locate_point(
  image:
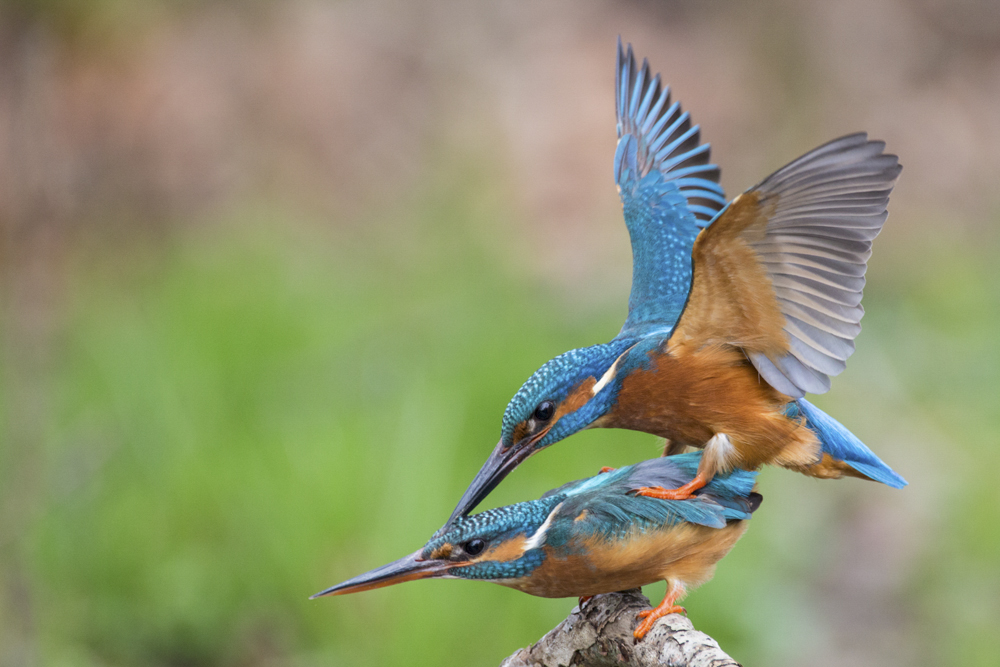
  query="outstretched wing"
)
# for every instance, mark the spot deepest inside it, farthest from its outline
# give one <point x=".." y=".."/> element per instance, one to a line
<point x="669" y="191"/>
<point x="781" y="271"/>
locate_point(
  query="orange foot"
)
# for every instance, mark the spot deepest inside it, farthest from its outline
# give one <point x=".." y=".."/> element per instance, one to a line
<point x="604" y="470"/>
<point x="681" y="493"/>
<point x="651" y="616"/>
<point x="584" y="600"/>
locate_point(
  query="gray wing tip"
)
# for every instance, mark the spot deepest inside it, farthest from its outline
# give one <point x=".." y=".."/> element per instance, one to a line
<point x="851" y="148"/>
<point x="852" y="160"/>
<point x="829" y="204"/>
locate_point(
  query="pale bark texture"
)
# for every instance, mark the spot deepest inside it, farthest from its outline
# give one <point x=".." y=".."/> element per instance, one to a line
<point x="601" y="634"/>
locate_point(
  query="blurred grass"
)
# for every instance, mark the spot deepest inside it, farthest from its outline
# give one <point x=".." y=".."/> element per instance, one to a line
<point x="223" y="416"/>
<point x="262" y="407"/>
<point x="106" y="24"/>
<point x="239" y="411"/>
<point x="266" y="404"/>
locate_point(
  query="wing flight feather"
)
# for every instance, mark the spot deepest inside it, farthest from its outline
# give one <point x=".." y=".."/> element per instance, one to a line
<point x="669" y="190"/>
<point x="780" y="272"/>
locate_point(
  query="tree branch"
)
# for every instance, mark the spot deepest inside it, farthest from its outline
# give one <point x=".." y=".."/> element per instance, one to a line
<point x="601" y="634"/>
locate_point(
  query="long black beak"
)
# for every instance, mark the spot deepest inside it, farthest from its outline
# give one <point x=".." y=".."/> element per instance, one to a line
<point x="498" y="466"/>
<point x="409" y="568"/>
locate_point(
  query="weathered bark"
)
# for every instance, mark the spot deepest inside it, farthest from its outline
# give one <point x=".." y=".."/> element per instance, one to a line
<point x="601" y="634"/>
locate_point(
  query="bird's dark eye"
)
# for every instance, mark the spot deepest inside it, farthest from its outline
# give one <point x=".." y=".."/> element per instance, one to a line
<point x="545" y="410"/>
<point x="474" y="547"/>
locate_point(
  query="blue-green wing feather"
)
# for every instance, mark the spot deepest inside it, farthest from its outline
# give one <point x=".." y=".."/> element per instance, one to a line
<point x="612" y="510"/>
<point x="669" y="191"/>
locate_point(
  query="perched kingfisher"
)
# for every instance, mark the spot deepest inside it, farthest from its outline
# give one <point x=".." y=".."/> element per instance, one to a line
<point x="589" y="537"/>
<point x="737" y="309"/>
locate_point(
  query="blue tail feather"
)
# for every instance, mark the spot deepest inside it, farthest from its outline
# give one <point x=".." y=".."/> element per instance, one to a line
<point x="843" y="445"/>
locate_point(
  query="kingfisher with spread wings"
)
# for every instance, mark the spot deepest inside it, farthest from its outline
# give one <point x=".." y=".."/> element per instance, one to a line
<point x="737" y="310"/>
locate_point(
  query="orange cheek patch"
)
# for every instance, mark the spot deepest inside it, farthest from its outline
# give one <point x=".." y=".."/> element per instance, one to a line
<point x="507" y="551"/>
<point x="577" y="398"/>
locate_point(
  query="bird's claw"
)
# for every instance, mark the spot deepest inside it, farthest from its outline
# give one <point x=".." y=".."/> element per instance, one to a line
<point x="605" y="469"/>
<point x="651" y="616"/>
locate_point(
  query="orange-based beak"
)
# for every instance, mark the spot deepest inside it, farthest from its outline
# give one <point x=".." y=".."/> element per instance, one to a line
<point x="409" y="568"/>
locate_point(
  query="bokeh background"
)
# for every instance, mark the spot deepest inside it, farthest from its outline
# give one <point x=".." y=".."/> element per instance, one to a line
<point x="271" y="270"/>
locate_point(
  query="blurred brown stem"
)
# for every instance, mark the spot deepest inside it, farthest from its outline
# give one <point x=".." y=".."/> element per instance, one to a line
<point x="601" y="634"/>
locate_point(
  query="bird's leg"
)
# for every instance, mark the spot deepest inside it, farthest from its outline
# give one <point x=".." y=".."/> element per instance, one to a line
<point x="675" y="591"/>
<point x="716" y="457"/>
<point x="680" y="493"/>
<point x="584" y="599"/>
<point x="672" y="447"/>
<point x="604" y="469"/>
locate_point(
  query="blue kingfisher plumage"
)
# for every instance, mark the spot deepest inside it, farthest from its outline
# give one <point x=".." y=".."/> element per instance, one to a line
<point x="590" y="537"/>
<point x="737" y="308"/>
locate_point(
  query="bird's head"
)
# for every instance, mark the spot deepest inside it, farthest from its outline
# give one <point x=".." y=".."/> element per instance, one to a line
<point x="498" y="545"/>
<point x="567" y="394"/>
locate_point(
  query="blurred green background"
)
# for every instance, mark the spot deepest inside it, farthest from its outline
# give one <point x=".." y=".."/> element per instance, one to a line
<point x="271" y="271"/>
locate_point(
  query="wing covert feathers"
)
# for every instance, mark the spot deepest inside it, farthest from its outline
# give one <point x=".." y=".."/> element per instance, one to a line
<point x="781" y="271"/>
<point x="612" y="509"/>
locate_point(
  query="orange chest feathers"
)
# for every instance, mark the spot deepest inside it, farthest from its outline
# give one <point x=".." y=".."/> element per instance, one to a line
<point x="592" y="565"/>
<point x="691" y="397"/>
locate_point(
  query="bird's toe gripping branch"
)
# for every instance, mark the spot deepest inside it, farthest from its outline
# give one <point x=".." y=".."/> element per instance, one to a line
<point x="651" y="616"/>
<point x="675" y="591"/>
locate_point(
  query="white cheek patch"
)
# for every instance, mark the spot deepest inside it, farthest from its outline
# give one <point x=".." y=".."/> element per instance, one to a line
<point x="538" y="539"/>
<point x="609" y="374"/>
<point x="605" y="379"/>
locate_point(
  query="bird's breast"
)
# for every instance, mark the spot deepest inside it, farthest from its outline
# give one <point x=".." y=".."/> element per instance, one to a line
<point x="592" y="564"/>
<point x="689" y="398"/>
